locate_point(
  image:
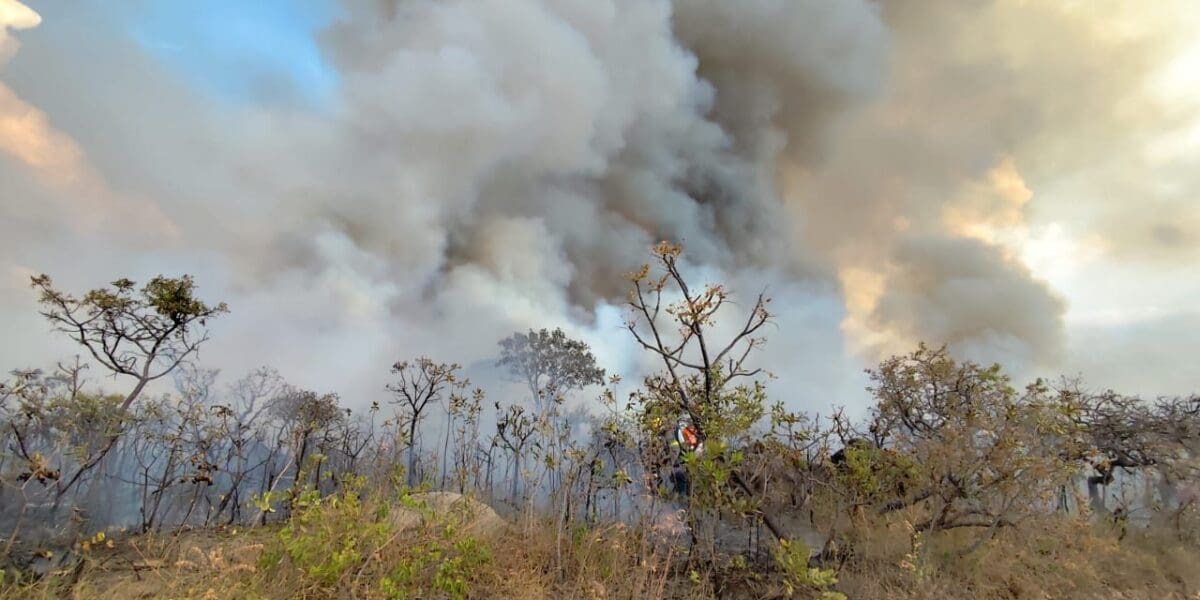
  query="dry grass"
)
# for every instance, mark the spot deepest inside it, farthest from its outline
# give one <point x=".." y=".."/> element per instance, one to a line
<point x="1055" y="558"/>
<point x="447" y="552"/>
<point x="1052" y="558"/>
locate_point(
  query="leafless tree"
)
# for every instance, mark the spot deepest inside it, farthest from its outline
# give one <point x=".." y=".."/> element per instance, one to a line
<point x="698" y="369"/>
<point x="307" y="416"/>
<point x="1126" y="433"/>
<point x="418" y="383"/>
<point x="688" y="350"/>
<point x="514" y="429"/>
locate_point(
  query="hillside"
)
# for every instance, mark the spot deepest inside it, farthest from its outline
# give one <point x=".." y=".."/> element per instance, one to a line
<point x="956" y="484"/>
<point x="438" y="546"/>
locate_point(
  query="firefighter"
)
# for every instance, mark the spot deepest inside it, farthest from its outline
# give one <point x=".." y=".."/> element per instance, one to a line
<point x="686" y="440"/>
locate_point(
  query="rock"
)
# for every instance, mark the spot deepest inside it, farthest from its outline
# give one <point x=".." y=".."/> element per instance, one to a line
<point x="467" y="513"/>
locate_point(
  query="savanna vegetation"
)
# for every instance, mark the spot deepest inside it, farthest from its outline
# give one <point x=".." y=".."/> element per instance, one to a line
<point x="697" y="484"/>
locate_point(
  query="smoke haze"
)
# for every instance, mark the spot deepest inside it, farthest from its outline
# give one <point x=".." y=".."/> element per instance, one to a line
<point x="1012" y="178"/>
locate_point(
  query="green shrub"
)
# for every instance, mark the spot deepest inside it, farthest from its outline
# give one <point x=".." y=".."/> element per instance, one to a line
<point x="792" y="559"/>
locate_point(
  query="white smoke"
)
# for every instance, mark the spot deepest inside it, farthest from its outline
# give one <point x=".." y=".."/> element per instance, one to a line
<point x="486" y="166"/>
<point x="508" y="162"/>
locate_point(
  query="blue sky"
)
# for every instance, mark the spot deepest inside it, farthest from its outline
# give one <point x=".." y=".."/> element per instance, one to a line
<point x="258" y="51"/>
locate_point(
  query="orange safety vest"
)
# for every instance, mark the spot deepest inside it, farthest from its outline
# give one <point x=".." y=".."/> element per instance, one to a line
<point x="686" y="436"/>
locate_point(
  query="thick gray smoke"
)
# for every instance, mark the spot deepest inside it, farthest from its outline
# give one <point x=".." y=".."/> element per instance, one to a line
<point x="1003" y="125"/>
<point x="486" y="166"/>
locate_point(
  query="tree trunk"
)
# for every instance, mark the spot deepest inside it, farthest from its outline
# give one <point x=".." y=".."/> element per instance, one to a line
<point x="412" y="453"/>
<point x="516" y="476"/>
<point x="1096" y="495"/>
<point x="445" y="448"/>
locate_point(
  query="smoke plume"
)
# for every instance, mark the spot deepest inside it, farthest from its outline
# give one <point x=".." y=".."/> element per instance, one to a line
<point x="485" y="166"/>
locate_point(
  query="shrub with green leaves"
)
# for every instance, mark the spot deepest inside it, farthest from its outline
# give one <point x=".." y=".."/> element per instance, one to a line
<point x="351" y="541"/>
<point x="791" y="557"/>
<point x="326" y="537"/>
